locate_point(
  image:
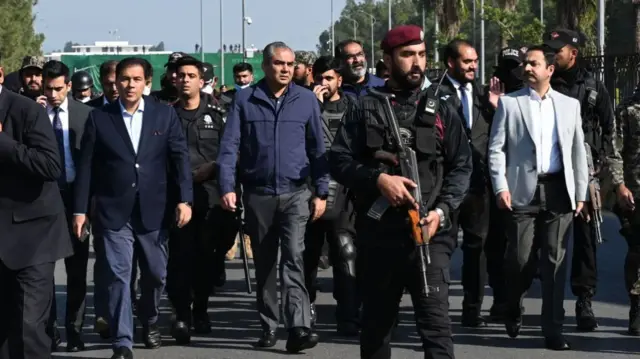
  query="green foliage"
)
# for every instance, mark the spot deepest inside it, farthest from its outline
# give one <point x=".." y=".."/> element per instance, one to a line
<point x="515" y="26"/>
<point x="17" y="35"/>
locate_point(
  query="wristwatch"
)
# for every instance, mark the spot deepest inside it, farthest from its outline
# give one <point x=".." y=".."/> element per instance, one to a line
<point x="441" y="214"/>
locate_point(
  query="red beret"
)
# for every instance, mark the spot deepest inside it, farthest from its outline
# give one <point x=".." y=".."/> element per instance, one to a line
<point x="402" y="35"/>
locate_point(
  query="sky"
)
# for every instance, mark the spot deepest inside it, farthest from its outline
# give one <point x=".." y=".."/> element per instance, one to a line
<point x="147" y="22"/>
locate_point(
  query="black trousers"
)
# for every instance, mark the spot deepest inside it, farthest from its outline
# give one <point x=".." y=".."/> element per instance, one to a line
<point x="196" y="253"/>
<point x="384" y="274"/>
<point x="24" y="311"/>
<point x="495" y="249"/>
<point x="339" y="235"/>
<point x="76" y="270"/>
<point x="584" y="269"/>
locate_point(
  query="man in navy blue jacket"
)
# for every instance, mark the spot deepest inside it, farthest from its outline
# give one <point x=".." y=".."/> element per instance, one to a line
<point x="355" y="78"/>
<point x="127" y="151"/>
<point x="275" y="128"/>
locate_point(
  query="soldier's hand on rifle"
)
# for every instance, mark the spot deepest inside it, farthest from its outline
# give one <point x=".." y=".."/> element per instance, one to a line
<point x="229" y="201"/>
<point x="394" y="189"/>
<point x="432" y="221"/>
<point x="583" y="211"/>
<point x="625" y="198"/>
<point x="318" y="206"/>
<point x="504" y="200"/>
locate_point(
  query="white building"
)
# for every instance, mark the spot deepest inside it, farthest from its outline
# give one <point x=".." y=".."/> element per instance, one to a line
<point x="107" y="48"/>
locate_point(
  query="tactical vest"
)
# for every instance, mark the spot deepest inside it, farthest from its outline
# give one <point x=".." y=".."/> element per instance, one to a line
<point x="424" y="135"/>
<point x="336" y="201"/>
<point x="591" y="124"/>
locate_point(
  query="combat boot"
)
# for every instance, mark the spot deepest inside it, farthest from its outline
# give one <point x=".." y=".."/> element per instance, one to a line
<point x="231" y="254"/>
<point x="585" y="318"/>
<point x="634" y="316"/>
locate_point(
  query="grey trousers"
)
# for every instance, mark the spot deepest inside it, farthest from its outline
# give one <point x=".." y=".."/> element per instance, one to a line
<point x="272" y="223"/>
<point x="543" y="225"/>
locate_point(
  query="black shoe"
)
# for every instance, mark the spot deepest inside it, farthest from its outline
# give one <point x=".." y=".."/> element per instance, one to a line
<point x="498" y="313"/>
<point x="74" y="342"/>
<point x="301" y="339"/>
<point x="348" y="329"/>
<point x="201" y="323"/>
<point x="267" y="340"/>
<point x="181" y="333"/>
<point x="324" y="263"/>
<point x="557" y="343"/>
<point x="151" y="336"/>
<point x="102" y="328"/>
<point x="472" y="320"/>
<point x="55" y="339"/>
<point x="634" y="316"/>
<point x="314" y="315"/>
<point x="513" y="327"/>
<point x="122" y="353"/>
<point x="585" y="319"/>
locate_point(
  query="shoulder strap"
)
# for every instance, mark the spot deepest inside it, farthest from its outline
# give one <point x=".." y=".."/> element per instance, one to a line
<point x="591" y="88"/>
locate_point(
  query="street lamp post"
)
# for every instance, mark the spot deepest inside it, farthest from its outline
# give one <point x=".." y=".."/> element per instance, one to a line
<point x="244" y="19"/>
<point x="201" y="31"/>
<point x="390" y="24"/>
<point x="373" y="21"/>
<point x="333" y="32"/>
<point x="355" y="27"/>
<point x="221" y="48"/>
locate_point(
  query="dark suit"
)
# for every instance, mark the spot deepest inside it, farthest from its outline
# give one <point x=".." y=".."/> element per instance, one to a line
<point x="473" y="215"/>
<point x="129" y="189"/>
<point x="76" y="265"/>
<point x="34" y="229"/>
<point x="96" y="102"/>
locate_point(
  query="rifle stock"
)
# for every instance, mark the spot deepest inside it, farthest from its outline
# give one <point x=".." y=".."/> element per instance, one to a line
<point x="595" y="203"/>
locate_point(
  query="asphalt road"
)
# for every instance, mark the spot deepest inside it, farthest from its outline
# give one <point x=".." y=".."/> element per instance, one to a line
<point x="236" y="325"/>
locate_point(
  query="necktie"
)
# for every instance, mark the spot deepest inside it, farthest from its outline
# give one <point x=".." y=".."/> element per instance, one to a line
<point x="57" y="129"/>
<point x="465" y="105"/>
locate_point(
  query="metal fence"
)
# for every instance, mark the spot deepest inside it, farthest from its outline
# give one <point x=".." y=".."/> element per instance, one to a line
<point x="620" y="73"/>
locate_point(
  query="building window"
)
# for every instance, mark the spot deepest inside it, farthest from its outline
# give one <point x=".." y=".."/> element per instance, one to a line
<point x="135" y="49"/>
<point x="105" y="49"/>
<point x="112" y="49"/>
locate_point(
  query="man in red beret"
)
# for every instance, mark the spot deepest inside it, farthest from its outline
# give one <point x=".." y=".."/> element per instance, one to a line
<point x="361" y="158"/>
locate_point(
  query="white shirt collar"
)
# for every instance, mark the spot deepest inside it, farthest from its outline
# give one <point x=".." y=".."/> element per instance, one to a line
<point x="140" y="107"/>
<point x="64" y="107"/>
<point x="536" y="97"/>
<point x="104" y="100"/>
<point x="457" y="84"/>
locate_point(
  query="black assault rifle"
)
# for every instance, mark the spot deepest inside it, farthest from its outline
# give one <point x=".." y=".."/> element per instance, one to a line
<point x="595" y="205"/>
<point x="405" y="157"/>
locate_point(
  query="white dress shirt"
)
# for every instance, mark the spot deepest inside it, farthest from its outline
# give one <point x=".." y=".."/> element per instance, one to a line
<point x="133" y="122"/>
<point x="104" y="100"/>
<point x="69" y="166"/>
<point x="543" y="114"/>
<point x="468" y="111"/>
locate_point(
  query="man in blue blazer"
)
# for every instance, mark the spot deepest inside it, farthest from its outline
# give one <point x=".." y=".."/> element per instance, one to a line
<point x="130" y="149"/>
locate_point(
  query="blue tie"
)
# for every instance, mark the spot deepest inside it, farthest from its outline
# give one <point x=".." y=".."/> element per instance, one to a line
<point x="465" y="105"/>
<point x="57" y="129"/>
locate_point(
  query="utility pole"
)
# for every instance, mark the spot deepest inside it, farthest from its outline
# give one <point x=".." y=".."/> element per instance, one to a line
<point x="244" y="54"/>
<point x="601" y="18"/>
<point x="482" y="42"/>
<point x="201" y="32"/>
<point x="390" y="23"/>
<point x="333" y="33"/>
<point x="542" y="11"/>
<point x="221" y="47"/>
<point x="373" y="21"/>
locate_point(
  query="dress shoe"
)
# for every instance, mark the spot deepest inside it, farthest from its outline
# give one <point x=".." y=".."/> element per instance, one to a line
<point x="74" y="342"/>
<point x="151" y="336"/>
<point x="301" y="339"/>
<point x="55" y="339"/>
<point x="585" y="318"/>
<point x="314" y="315"/>
<point x="513" y="327"/>
<point x="201" y="323"/>
<point x="473" y="321"/>
<point x="267" y="340"/>
<point x="348" y="329"/>
<point x="102" y="328"/>
<point x="181" y="333"/>
<point x="122" y="353"/>
<point x="497" y="313"/>
<point x="557" y="343"/>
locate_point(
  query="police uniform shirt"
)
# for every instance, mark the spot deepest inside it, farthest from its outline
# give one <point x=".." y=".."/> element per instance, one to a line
<point x="64" y="119"/>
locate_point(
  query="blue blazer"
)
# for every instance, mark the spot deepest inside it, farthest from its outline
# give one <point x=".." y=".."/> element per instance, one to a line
<point x="116" y="177"/>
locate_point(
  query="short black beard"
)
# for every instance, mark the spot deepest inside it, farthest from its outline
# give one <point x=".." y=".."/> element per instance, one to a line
<point x="401" y="78"/>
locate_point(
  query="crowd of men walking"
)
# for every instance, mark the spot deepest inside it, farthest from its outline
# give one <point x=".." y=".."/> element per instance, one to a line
<point x="319" y="159"/>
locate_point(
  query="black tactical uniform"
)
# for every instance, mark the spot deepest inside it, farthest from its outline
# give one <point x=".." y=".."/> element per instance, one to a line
<point x="197" y="250"/>
<point x="336" y="225"/>
<point x="167" y="95"/>
<point x="387" y="261"/>
<point x="598" y="124"/>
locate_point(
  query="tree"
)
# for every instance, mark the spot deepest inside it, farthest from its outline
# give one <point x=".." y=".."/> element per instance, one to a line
<point x="517" y="25"/>
<point x="159" y="47"/>
<point x="68" y="46"/>
<point x="17" y="34"/>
